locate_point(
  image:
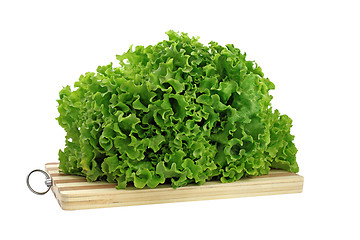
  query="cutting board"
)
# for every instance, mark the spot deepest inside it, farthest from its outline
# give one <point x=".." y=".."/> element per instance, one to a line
<point x="74" y="192"/>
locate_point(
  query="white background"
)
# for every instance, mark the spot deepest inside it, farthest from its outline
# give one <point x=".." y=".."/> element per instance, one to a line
<point x="309" y="49"/>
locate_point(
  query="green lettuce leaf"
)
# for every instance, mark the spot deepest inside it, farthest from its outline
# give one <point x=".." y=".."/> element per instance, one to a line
<point x="179" y="112"/>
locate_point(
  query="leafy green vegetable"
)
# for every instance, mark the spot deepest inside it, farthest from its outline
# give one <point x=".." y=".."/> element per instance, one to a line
<point x="178" y="111"/>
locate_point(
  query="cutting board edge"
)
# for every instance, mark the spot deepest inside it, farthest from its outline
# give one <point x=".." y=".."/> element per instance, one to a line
<point x="293" y="184"/>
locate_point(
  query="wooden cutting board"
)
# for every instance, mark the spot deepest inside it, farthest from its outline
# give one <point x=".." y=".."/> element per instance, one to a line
<point x="74" y="192"/>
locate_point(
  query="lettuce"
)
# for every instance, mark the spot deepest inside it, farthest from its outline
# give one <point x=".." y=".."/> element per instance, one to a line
<point x="177" y="112"/>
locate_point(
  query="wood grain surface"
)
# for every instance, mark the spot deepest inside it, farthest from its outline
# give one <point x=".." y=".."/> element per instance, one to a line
<point x="74" y="192"/>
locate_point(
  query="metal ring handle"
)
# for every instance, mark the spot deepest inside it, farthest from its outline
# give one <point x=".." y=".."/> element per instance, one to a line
<point x="48" y="181"/>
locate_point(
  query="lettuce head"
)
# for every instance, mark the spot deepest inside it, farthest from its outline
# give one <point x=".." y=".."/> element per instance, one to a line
<point x="177" y="112"/>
